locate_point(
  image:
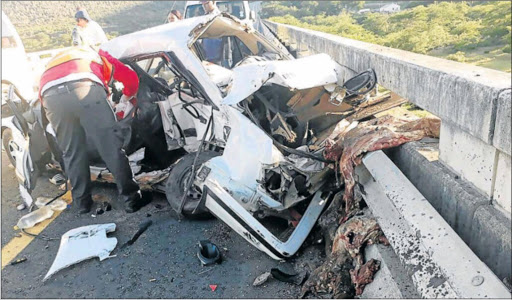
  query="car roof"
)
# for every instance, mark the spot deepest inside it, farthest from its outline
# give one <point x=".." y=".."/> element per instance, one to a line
<point x="166" y="37"/>
<point x="192" y="3"/>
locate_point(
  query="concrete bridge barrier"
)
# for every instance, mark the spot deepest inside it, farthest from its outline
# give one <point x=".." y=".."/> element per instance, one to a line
<point x="470" y="184"/>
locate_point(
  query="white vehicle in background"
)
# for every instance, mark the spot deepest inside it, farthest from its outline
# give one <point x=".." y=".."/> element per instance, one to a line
<point x="17" y="77"/>
<point x="16" y="69"/>
<point x="239" y="9"/>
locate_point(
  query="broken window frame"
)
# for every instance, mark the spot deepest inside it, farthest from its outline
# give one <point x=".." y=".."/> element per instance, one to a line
<point x="261" y="41"/>
<point x="179" y="70"/>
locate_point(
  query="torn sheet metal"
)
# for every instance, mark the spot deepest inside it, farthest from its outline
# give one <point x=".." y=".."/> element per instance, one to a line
<point x="148" y="179"/>
<point x="304" y="73"/>
<point x="83" y="243"/>
<point x="248" y="152"/>
<point x="304" y="164"/>
<point x="27" y="198"/>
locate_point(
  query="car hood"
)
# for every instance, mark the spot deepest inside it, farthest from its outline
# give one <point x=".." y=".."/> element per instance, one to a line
<point x="297" y="74"/>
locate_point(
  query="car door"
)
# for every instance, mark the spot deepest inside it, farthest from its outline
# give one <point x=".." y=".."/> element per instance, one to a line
<point x="27" y="144"/>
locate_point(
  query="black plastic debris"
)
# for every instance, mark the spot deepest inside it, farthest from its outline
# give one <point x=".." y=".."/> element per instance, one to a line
<point x="105" y="206"/>
<point x="297" y="278"/>
<point x="208" y="253"/>
<point x="18" y="261"/>
<point x="99" y="210"/>
<point x="143" y="227"/>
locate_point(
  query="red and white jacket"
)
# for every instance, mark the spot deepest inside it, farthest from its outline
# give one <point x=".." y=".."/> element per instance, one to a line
<point x="78" y="63"/>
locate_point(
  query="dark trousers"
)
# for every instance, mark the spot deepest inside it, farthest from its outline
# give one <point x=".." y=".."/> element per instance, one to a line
<point x="80" y="108"/>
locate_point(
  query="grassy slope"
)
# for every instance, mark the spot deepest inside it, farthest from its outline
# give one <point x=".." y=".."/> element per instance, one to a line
<point x="488" y="57"/>
<point x="47" y="24"/>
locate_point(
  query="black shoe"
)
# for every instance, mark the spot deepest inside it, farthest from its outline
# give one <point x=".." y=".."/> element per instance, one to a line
<point x="136" y="202"/>
<point x="85" y="205"/>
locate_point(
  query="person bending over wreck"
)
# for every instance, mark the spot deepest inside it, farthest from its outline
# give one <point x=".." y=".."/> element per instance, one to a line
<point x="73" y="92"/>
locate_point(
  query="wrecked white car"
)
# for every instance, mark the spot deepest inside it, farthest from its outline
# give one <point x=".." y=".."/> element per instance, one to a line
<point x="229" y="124"/>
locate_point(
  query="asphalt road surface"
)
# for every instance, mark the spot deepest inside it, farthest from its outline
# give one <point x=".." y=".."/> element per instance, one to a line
<point x="162" y="263"/>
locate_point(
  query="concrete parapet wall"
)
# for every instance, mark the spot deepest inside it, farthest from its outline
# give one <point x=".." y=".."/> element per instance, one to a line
<point x="503" y="123"/>
<point x="468" y="156"/>
<point x="474" y="103"/>
<point x="502" y="194"/>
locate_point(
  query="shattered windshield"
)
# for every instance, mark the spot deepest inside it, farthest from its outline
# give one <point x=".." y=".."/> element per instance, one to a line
<point x="234" y="8"/>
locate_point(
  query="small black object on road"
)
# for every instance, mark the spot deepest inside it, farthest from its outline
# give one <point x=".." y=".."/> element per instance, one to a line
<point x="208" y="253"/>
<point x="18" y="261"/>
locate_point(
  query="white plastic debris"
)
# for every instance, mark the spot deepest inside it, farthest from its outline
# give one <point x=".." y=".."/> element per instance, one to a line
<point x="25" y="195"/>
<point x="83" y="243"/>
<point x="37" y="216"/>
<point x="137" y="155"/>
<point x="22" y="206"/>
<point x="56" y="205"/>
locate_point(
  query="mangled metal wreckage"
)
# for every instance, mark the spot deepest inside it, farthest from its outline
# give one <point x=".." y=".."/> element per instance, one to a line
<point x="239" y="123"/>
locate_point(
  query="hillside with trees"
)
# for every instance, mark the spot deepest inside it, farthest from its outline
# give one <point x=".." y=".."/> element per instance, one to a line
<point x="46" y="25"/>
<point x="475" y="32"/>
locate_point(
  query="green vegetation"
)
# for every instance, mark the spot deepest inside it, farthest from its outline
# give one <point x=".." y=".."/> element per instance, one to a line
<point x="454" y="30"/>
<point x="44" y="25"/>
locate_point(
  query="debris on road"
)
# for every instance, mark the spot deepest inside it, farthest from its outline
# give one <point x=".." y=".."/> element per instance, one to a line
<point x="25" y="195"/>
<point x="142" y="228"/>
<point x="344" y="274"/>
<point x="104" y="207"/>
<point x="213" y="287"/>
<point x="55" y="205"/>
<point x="37" y="216"/>
<point x="262" y="279"/>
<point x="18" y="261"/>
<point x="20" y="207"/>
<point x="364" y="275"/>
<point x="58" y="179"/>
<point x="99" y="210"/>
<point x="297" y="278"/>
<point x="152" y="280"/>
<point x="107" y="206"/>
<point x="208" y="253"/>
<point x="83" y="243"/>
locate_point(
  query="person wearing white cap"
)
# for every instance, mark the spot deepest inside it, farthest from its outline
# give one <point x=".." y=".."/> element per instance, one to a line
<point x="87" y="32"/>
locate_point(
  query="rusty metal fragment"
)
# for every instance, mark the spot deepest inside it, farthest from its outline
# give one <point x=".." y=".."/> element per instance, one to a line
<point x="356" y="233"/>
<point x="344" y="275"/>
<point x="364" y="275"/>
<point x="382" y="133"/>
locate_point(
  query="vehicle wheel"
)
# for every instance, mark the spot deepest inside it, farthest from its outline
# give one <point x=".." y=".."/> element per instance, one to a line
<point x="177" y="183"/>
<point x="8" y="144"/>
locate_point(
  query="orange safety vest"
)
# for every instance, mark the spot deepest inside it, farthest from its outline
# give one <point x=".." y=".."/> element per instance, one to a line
<point x="80" y="61"/>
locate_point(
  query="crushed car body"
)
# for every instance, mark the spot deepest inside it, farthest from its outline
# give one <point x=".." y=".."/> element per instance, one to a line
<point x="240" y="124"/>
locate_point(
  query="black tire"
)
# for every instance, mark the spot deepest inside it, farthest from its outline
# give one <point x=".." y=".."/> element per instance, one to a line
<point x="6" y="138"/>
<point x="176" y="185"/>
